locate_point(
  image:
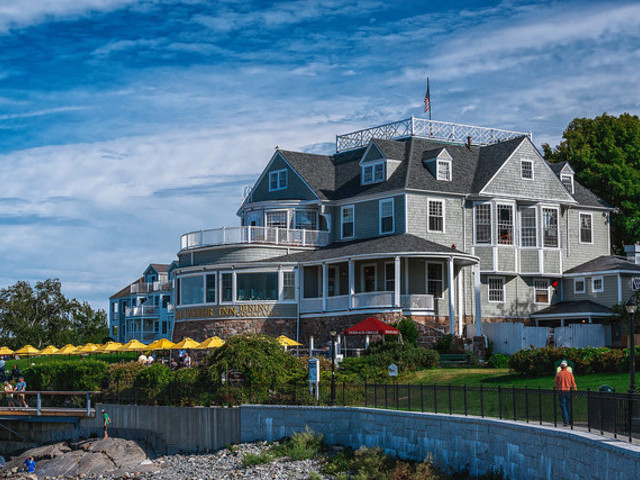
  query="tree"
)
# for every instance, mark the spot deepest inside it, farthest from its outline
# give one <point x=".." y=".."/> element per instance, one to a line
<point x="43" y="316"/>
<point x="605" y="154"/>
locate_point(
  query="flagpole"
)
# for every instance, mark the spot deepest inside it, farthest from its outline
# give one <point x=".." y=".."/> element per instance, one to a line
<point x="429" y="96"/>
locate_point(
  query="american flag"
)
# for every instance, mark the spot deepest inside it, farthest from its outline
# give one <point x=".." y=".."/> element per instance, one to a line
<point x="427" y="98"/>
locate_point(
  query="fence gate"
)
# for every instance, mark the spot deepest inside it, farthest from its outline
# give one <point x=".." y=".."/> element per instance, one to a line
<point x="580" y="335"/>
<point x="509" y="337"/>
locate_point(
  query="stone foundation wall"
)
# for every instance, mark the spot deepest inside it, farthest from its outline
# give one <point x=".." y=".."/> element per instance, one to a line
<point x="199" y="330"/>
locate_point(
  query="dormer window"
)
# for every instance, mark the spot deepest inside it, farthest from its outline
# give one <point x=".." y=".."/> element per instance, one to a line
<point x="278" y="180"/>
<point x="372" y="172"/>
<point x="567" y="181"/>
<point x="444" y="170"/>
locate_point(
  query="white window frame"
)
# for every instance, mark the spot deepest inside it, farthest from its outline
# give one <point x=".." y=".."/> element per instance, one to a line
<point x="277" y="210"/>
<point x="442" y="274"/>
<point x="233" y="288"/>
<point x="443" y="206"/>
<point x="372" y="166"/>
<point x="386" y="280"/>
<point x="438" y="177"/>
<point x="281" y="298"/>
<point x="215" y="275"/>
<point x="570" y="177"/>
<point x="305" y="210"/>
<point x="279" y="174"/>
<point x="475" y="224"/>
<point x="593" y="284"/>
<point x="513" y="224"/>
<point x="353" y="221"/>
<point x="635" y="283"/>
<point x="393" y="216"/>
<point x="584" y="285"/>
<point x="375" y="277"/>
<point x="501" y="279"/>
<point x="557" y="209"/>
<point x="580" y="215"/>
<point x="548" y="291"/>
<point x="202" y="275"/>
<point x="522" y="162"/>
<point x="535" y="215"/>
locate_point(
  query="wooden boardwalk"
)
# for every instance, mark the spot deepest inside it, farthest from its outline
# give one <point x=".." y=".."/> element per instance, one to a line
<point x="46" y="412"/>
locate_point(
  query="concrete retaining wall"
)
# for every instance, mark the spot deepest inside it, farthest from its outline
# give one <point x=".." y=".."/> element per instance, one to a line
<point x="522" y="450"/>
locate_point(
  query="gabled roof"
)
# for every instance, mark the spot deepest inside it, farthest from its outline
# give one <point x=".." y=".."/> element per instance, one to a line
<point x="126" y="291"/>
<point x="159" y="267"/>
<point x="405" y="243"/>
<point x="317" y="170"/>
<point x="586" y="307"/>
<point x="605" y="263"/>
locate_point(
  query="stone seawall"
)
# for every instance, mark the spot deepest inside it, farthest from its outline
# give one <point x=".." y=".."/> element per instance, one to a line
<point x="523" y="451"/>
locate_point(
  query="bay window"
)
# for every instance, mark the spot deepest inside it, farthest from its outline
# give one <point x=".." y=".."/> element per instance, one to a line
<point x="528" y="234"/>
<point x="550" y="227"/>
<point x="257" y="286"/>
<point x="483" y="223"/>
<point x="505" y="224"/>
<point x="192" y="290"/>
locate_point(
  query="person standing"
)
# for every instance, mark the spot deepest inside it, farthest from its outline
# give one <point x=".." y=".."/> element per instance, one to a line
<point x="15" y="373"/>
<point x="30" y="465"/>
<point x="21" y="387"/>
<point x="8" y="393"/>
<point x="105" y="422"/>
<point x="564" y="383"/>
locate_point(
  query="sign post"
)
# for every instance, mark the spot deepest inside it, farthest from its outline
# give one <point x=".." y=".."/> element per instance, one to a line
<point x="314" y="377"/>
<point x="393" y="370"/>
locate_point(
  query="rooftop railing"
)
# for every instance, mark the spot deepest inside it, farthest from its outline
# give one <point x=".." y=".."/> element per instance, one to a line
<point x="431" y="129"/>
<point x="254" y="235"/>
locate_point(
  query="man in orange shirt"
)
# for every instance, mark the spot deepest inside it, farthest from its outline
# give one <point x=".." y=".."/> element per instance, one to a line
<point x="564" y="383"/>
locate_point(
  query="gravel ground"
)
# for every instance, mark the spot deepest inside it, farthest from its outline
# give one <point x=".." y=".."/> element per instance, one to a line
<point x="220" y="465"/>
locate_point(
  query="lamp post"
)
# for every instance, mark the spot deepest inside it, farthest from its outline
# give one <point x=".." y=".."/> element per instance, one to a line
<point x="631" y="306"/>
<point x="333" y="368"/>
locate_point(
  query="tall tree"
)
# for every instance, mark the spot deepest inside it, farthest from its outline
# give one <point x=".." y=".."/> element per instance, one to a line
<point x="605" y="153"/>
<point x="42" y="315"/>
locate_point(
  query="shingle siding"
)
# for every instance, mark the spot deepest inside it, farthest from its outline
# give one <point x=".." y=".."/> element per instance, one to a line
<point x="231" y="255"/>
<point x="296" y="188"/>
<point x="607" y="298"/>
<point x="577" y="253"/>
<point x="519" y="298"/>
<point x="417" y="219"/>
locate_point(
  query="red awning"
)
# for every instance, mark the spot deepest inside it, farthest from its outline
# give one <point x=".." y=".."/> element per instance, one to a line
<point x="372" y="326"/>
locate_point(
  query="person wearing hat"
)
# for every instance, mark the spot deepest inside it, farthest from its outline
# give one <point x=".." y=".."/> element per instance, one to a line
<point x="106" y="422"/>
<point x="564" y="383"/>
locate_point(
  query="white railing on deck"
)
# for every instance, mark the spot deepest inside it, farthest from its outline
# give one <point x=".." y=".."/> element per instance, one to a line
<point x="308" y="305"/>
<point x="417" y="302"/>
<point x="141" y="311"/>
<point x="367" y="300"/>
<point x="150" y="287"/>
<point x="373" y="299"/>
<point x="251" y="234"/>
<point x="340" y="302"/>
<point x="431" y="129"/>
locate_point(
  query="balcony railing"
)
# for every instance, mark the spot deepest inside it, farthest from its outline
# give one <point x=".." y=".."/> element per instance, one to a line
<point x="141" y="311"/>
<point x="257" y="235"/>
<point x="422" y="303"/>
<point x="431" y="129"/>
<point x="150" y="287"/>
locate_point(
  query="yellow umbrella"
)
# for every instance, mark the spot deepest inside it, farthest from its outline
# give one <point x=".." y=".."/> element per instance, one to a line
<point x="287" y="342"/>
<point x="68" y="349"/>
<point x="185" y="344"/>
<point x="28" y="350"/>
<point x="213" y="342"/>
<point x="6" y="351"/>
<point x="133" y="346"/>
<point x="50" y="350"/>
<point x="161" y="344"/>
<point x="88" y="348"/>
<point x="109" y="347"/>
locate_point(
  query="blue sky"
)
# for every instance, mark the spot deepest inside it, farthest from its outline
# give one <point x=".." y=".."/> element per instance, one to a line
<point x="125" y="123"/>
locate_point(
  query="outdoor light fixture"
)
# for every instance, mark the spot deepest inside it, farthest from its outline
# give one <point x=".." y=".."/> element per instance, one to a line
<point x="333" y="334"/>
<point x="631" y="306"/>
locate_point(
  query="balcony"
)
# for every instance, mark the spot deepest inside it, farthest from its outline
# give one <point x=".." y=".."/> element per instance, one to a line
<point x="383" y="300"/>
<point x="142" y="311"/>
<point x="150" y="287"/>
<point x="254" y="235"/>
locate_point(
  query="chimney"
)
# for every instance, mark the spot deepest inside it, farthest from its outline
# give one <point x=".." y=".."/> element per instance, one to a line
<point x="469" y="141"/>
<point x="633" y="253"/>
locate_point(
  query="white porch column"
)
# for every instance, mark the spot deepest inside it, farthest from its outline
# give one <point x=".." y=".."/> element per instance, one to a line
<point x="478" y="292"/>
<point x="397" y="280"/>
<point x="452" y="306"/>
<point x="325" y="286"/>
<point x="300" y="278"/>
<point x="352" y="284"/>
<point x="459" y="291"/>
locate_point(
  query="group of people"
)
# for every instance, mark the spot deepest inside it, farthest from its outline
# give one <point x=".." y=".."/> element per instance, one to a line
<point x="10" y="390"/>
<point x="183" y="360"/>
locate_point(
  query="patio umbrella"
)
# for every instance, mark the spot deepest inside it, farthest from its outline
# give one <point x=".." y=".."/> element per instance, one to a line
<point x="185" y="344"/>
<point x="109" y="347"/>
<point x="88" y="348"/>
<point x="212" y="342"/>
<point x="50" y="350"/>
<point x="287" y="342"/>
<point x="68" y="349"/>
<point x="28" y="350"/>
<point x="161" y="344"/>
<point x="6" y="351"/>
<point x="133" y="346"/>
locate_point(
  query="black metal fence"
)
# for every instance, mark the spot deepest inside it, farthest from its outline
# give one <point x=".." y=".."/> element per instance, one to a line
<point x="611" y="413"/>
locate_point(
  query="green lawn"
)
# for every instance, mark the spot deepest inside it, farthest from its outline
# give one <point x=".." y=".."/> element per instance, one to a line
<point x="494" y="377"/>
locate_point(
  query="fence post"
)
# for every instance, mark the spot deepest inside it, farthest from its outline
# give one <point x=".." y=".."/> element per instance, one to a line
<point x="555" y="408"/>
<point x="386" y="401"/>
<point x="450" y="409"/>
<point x="464" y="389"/>
<point x="88" y="404"/>
<point x="343" y="401"/>
<point x="38" y="404"/>
<point x="408" y="397"/>
<point x="588" y="415"/>
<point x="397" y="396"/>
<point x="421" y="397"/>
<point x="600" y="403"/>
<point x="499" y="402"/>
<point x="540" y="405"/>
<point x="615" y="418"/>
<point x="526" y="403"/>
<point x="630" y="416"/>
<point x="481" y="401"/>
<point x="513" y="397"/>
<point x="375" y="395"/>
<point x="365" y="395"/>
<point x="435" y="399"/>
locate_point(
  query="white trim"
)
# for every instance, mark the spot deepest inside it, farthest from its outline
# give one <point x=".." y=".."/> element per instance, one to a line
<point x="392" y="263"/>
<point x="372" y="165"/>
<point x="584" y="285"/>
<point x="522" y="161"/>
<point x="444" y="207"/>
<point x="504" y="295"/>
<point x="593" y="289"/>
<point x="278" y="173"/>
<point x="501" y="167"/>
<point x="590" y="215"/>
<point x="233" y="287"/>
<point x="375" y="277"/>
<point x="353" y="214"/>
<point x="202" y="275"/>
<point x="475" y="224"/>
<point x="570" y="315"/>
<point x="512" y="206"/>
<point x="570" y="177"/>
<point x="535" y="217"/>
<point x="426" y="279"/>
<point x="603" y="272"/>
<point x="393" y="216"/>
<point x="438" y="170"/>
<point x="548" y="292"/>
<point x="559" y="233"/>
<point x="372" y="143"/>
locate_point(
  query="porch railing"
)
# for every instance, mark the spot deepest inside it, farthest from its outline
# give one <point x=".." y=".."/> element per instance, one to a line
<point x="367" y="300"/>
<point x="251" y="234"/>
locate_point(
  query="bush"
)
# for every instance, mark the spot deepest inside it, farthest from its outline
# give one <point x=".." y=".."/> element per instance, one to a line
<point x="65" y="375"/>
<point x="301" y="446"/>
<point x="443" y="344"/>
<point x="251" y="459"/>
<point x="408" y="330"/>
<point x="152" y="382"/>
<point x="499" y="360"/>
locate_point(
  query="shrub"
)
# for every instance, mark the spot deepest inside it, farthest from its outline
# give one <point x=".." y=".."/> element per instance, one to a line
<point x="301" y="446"/>
<point x="371" y="464"/>
<point x="251" y="459"/>
<point x="444" y="344"/>
<point x="499" y="360"/>
<point x="408" y="330"/>
<point x="65" y="375"/>
<point x="152" y="382"/>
